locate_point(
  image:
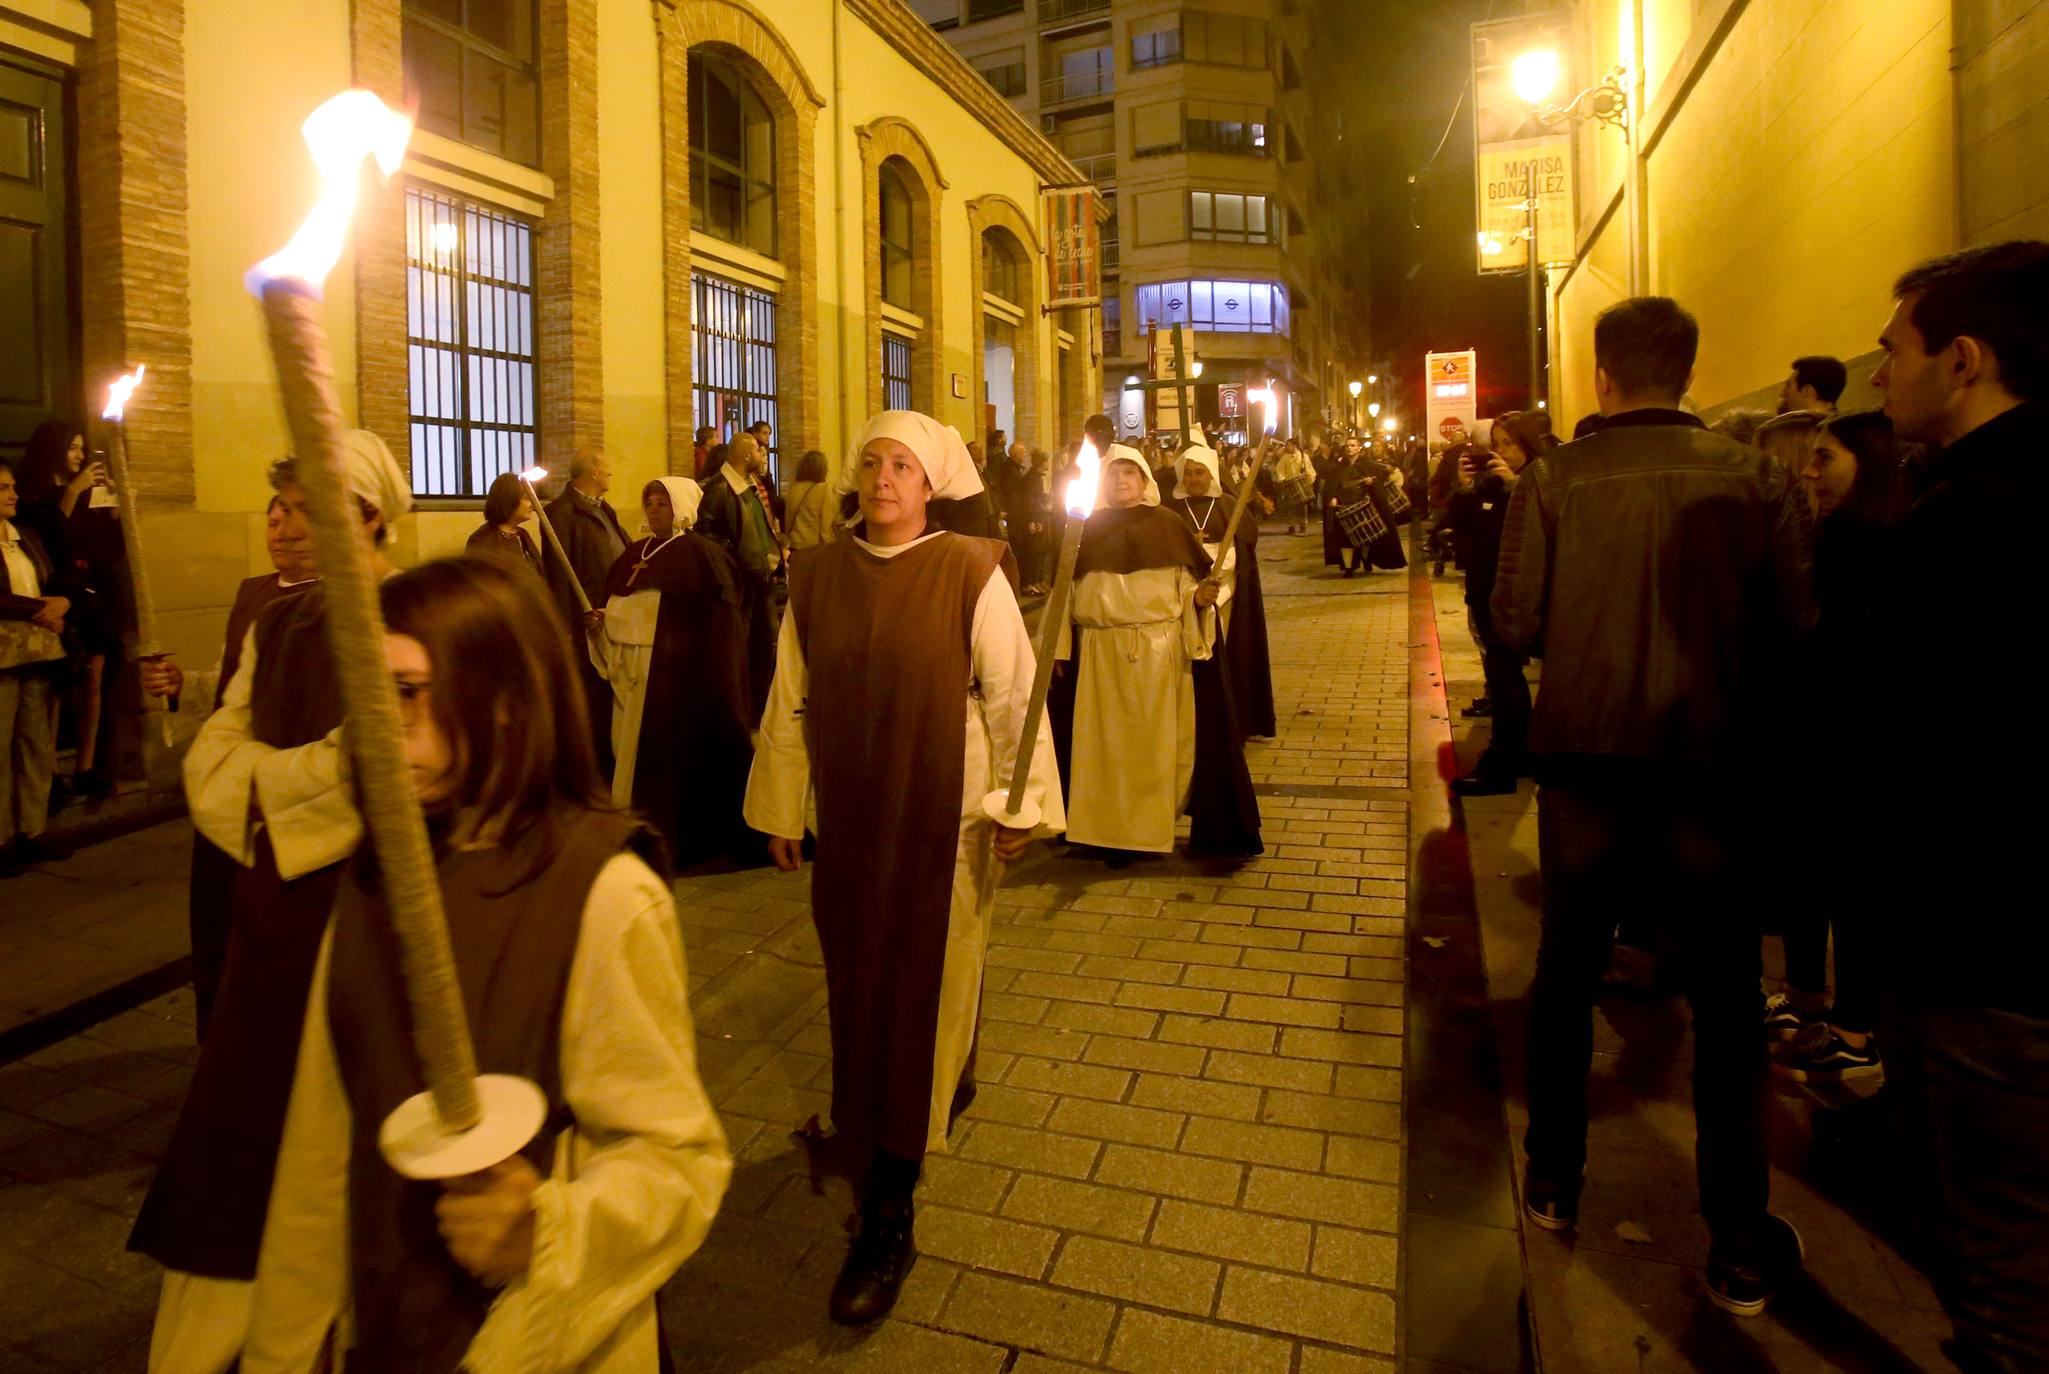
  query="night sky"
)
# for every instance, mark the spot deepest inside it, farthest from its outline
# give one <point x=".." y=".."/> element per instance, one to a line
<point x="1391" y="71"/>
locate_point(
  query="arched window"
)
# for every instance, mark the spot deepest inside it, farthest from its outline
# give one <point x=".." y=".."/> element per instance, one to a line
<point x="732" y="157"/>
<point x="1002" y="266"/>
<point x="896" y="238"/>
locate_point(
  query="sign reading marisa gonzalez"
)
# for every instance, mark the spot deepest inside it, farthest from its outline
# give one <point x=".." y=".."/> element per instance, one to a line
<point x="1074" y="257"/>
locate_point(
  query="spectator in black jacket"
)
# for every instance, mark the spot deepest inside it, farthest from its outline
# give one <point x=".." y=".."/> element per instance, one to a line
<point x="1662" y="573"/>
<point x="593" y="538"/>
<point x="1515" y="440"/>
<point x="1963" y="1011"/>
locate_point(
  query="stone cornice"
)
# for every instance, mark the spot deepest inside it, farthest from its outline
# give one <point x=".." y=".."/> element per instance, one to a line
<point x="903" y="30"/>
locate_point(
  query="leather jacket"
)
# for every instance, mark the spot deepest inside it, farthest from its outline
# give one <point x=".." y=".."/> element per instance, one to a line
<point x="1664" y="574"/>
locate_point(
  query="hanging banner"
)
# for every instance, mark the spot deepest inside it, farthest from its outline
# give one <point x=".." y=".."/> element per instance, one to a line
<point x="1505" y="172"/>
<point x="1510" y="140"/>
<point x="1451" y="394"/>
<point x="1074" y="249"/>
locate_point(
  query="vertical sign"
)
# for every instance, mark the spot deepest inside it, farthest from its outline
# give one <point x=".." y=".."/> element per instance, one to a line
<point x="1513" y="149"/>
<point x="1231" y="400"/>
<point x="1451" y="391"/>
<point x="1074" y="256"/>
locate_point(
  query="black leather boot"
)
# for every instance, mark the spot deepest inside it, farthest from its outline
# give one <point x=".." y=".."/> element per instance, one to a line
<point x="877" y="1263"/>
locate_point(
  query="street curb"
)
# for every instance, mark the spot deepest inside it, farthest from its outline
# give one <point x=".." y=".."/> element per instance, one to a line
<point x="82" y="1015"/>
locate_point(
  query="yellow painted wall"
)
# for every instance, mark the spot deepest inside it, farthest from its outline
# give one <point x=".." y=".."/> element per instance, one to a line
<point x="630" y="216"/>
<point x="1809" y="165"/>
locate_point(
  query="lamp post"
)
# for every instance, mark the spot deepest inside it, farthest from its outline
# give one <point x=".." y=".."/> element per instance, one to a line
<point x="1355" y="388"/>
<point x="1537" y="74"/>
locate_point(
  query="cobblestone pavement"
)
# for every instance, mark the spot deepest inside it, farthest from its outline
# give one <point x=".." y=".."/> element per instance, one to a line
<point x="1186" y="1149"/>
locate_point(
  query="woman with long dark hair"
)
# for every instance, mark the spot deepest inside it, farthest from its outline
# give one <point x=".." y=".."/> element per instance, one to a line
<point x="571" y="965"/>
<point x="65" y="499"/>
<point x="1851" y="477"/>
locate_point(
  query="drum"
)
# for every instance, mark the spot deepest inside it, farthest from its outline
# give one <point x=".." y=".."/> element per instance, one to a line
<point x="1360" y="523"/>
<point x="1298" y="491"/>
<point x="1395" y="499"/>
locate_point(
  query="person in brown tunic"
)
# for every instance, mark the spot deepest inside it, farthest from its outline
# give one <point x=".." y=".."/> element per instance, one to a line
<point x="288" y="540"/>
<point x="266" y="784"/>
<point x="902" y="682"/>
<point x="571" y="968"/>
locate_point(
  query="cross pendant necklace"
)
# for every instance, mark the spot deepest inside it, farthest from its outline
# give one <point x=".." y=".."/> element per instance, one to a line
<point x="648" y="550"/>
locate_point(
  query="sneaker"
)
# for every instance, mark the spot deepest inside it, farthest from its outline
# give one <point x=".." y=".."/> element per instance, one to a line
<point x="1785" y="1021"/>
<point x="1553" y="1206"/>
<point x="1819" y="1054"/>
<point x="1744" y="1283"/>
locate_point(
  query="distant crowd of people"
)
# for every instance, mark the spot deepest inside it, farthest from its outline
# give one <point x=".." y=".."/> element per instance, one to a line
<point x="1766" y="648"/>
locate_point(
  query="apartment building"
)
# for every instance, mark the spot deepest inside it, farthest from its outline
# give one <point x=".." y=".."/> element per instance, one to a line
<point x="1193" y="119"/>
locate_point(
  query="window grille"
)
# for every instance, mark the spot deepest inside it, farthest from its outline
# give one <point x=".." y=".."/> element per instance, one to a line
<point x="733" y="358"/>
<point x="469" y="343"/>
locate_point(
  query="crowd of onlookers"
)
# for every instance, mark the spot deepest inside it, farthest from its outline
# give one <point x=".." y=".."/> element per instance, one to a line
<point x="1768" y="643"/>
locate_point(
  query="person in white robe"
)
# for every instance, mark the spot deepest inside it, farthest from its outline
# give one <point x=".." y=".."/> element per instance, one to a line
<point x="902" y="681"/>
<point x="1145" y="612"/>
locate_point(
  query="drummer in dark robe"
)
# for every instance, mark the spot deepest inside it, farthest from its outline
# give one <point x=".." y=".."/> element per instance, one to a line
<point x="1199" y="497"/>
<point x="902" y="680"/>
<point x="1151" y="737"/>
<point x="672" y="642"/>
<point x="288" y="539"/>
<point x="266" y="782"/>
<point x="1384" y="487"/>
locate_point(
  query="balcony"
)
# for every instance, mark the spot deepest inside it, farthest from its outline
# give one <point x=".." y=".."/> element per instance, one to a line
<point x="1100" y="168"/>
<point x="1111" y="255"/>
<point x="1072" y="11"/>
<point x="1069" y="87"/>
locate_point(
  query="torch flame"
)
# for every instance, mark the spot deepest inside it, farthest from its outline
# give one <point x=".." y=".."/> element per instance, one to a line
<point x="1264" y="396"/>
<point x="1081" y="489"/>
<point x="118" y="393"/>
<point x="341" y="133"/>
<point x="533" y="475"/>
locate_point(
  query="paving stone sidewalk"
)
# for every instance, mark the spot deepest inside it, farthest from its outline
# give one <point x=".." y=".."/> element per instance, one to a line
<point x="1186" y="1150"/>
<point x="1185" y="1154"/>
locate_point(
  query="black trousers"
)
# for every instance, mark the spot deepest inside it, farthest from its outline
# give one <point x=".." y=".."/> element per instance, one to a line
<point x="1618" y="846"/>
<point x="1509" y="691"/>
<point x="1968" y="1089"/>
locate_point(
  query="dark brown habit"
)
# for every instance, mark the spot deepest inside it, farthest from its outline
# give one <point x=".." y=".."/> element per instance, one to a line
<point x="213" y="872"/>
<point x="514" y="914"/>
<point x="690" y="774"/>
<point x="888" y="644"/>
<point x="204" y="1213"/>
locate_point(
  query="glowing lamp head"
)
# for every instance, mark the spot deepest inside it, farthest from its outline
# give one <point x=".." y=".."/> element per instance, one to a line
<point x="1388" y="424"/>
<point x="1373" y="409"/>
<point x="341" y="133"/>
<point x="1373" y="379"/>
<point x="533" y="475"/>
<point x="118" y="393"/>
<point x="1356" y="388"/>
<point x="1195" y="369"/>
<point x="1080" y="496"/>
<point x="1536" y="75"/>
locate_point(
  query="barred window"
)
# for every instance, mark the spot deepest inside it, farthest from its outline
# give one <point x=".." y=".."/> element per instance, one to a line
<point x="732" y="357"/>
<point x="896" y="372"/>
<point x="469" y="343"/>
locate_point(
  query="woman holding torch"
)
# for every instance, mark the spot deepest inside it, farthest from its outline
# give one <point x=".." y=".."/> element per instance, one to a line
<point x="571" y="969"/>
<point x="902" y="683"/>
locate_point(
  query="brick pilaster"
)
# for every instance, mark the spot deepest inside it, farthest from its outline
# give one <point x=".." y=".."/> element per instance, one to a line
<point x="379" y="239"/>
<point x="134" y="256"/>
<point x="569" y="295"/>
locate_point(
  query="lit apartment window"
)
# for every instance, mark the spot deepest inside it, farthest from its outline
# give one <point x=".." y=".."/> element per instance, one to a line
<point x="1219" y="307"/>
<point x="1215" y="126"/>
<point x="1004" y="70"/>
<point x="732" y="157"/>
<point x="1218" y="217"/>
<point x="471" y="75"/>
<point x="469" y="343"/>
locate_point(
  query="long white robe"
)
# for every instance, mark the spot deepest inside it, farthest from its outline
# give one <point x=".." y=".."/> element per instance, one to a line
<point x="1134" y="706"/>
<point x="779" y="801"/>
<point x="623" y="653"/>
<point x="632" y="1193"/>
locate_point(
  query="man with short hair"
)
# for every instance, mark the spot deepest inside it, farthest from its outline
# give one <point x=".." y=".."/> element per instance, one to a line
<point x="1662" y="571"/>
<point x="1963" y="1014"/>
<point x="734" y="514"/>
<point x="593" y="539"/>
<point x="1815" y="383"/>
<point x="700" y="450"/>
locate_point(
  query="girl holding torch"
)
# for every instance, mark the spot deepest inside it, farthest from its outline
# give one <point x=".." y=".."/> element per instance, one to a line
<point x="571" y="968"/>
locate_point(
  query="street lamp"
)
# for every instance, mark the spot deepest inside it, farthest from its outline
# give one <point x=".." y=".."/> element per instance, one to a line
<point x="1373" y="410"/>
<point x="1389" y="425"/>
<point x="1355" y="388"/>
<point x="1537" y="74"/>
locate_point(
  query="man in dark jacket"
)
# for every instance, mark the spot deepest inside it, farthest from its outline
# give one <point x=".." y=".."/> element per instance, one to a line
<point x="1963" y="1014"/>
<point x="593" y="538"/>
<point x="1662" y="572"/>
